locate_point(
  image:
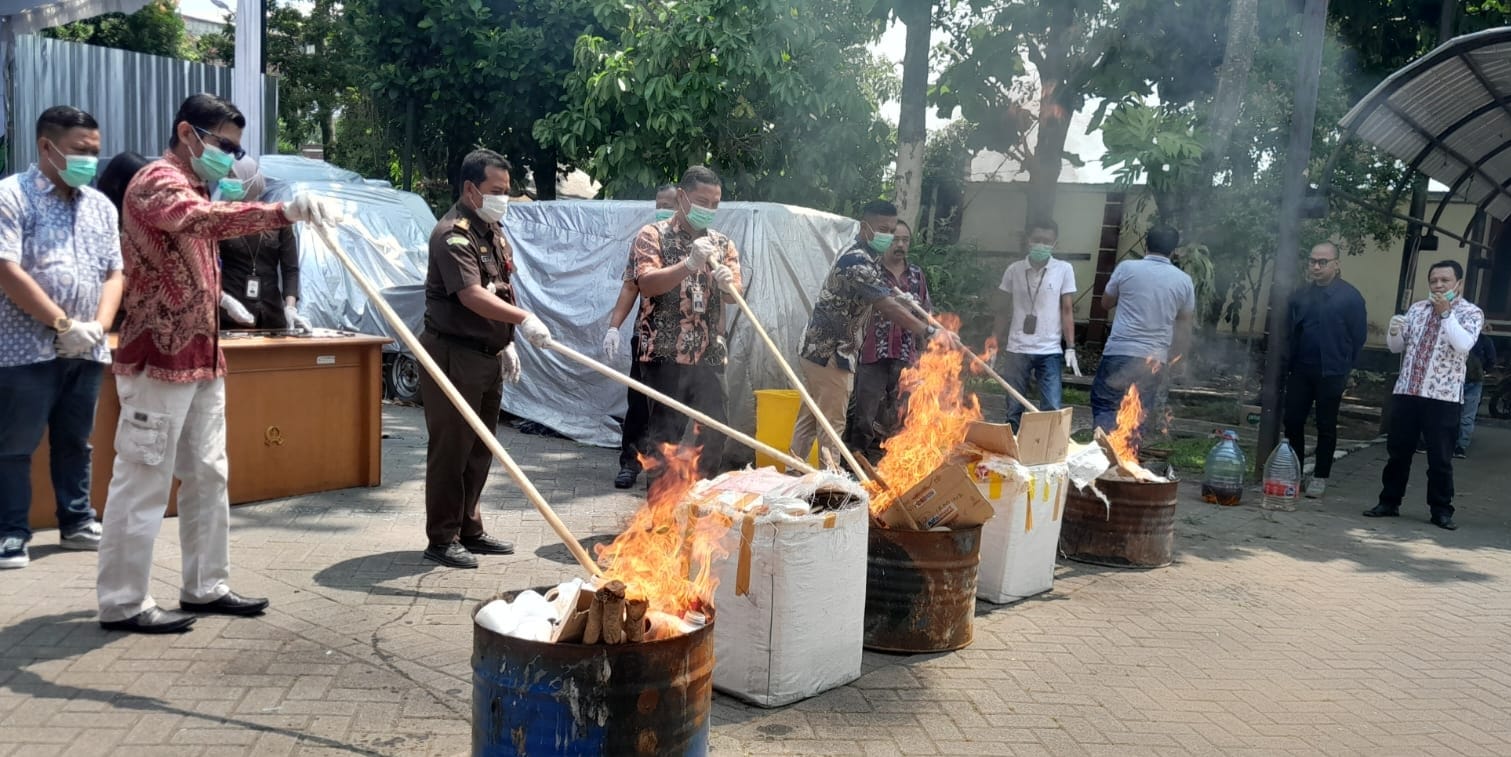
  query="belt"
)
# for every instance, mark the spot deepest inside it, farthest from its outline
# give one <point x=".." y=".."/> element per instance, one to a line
<point x="475" y="345"/>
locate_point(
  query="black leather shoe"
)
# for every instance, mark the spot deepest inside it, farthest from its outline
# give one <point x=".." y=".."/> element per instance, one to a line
<point x="1383" y="511"/>
<point x="487" y="545"/>
<point x="230" y="604"/>
<point x="152" y="620"/>
<point x="452" y="555"/>
<point x="626" y="478"/>
<point x="1444" y="522"/>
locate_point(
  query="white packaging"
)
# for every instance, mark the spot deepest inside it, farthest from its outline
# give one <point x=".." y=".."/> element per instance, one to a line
<point x="791" y="601"/>
<point x="1019" y="545"/>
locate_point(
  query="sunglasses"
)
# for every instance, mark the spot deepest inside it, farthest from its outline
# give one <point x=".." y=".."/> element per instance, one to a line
<point x="226" y="145"/>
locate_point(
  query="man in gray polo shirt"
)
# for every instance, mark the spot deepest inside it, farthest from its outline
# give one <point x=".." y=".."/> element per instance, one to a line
<point x="1155" y="302"/>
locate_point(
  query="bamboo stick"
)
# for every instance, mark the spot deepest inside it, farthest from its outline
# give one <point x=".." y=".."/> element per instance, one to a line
<point x="486" y="434"/>
<point x="696" y="415"/>
<point x="802" y="391"/>
<point x="982" y="364"/>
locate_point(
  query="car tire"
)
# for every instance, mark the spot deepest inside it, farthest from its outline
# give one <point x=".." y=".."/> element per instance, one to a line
<point x="401" y="378"/>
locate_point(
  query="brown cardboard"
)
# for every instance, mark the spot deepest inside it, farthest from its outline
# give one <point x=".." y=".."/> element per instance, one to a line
<point x="1044" y="437"/>
<point x="947" y="497"/>
<point x="996" y="438"/>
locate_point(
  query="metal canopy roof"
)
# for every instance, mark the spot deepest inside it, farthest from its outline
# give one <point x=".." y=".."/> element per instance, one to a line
<point x="1448" y="116"/>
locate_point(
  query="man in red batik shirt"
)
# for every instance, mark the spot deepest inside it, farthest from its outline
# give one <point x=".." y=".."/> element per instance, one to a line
<point x="170" y="373"/>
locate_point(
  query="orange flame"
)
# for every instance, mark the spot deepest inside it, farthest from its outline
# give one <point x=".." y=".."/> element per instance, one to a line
<point x="938" y="415"/>
<point x="986" y="355"/>
<point x="1125" y="438"/>
<point x="666" y="554"/>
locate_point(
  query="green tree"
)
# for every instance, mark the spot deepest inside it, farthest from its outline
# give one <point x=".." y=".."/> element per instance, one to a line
<point x="309" y="53"/>
<point x="780" y="96"/>
<point x="474" y="72"/>
<point x="156" y="29"/>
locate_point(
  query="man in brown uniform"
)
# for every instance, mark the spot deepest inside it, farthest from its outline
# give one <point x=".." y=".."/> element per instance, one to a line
<point x="470" y="319"/>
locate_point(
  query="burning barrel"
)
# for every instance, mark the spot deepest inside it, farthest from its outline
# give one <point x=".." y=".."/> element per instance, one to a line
<point x="636" y="698"/>
<point x="1135" y="528"/>
<point x="921" y="588"/>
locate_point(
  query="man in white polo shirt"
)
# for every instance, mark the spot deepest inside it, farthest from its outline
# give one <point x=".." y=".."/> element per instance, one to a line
<point x="1036" y="325"/>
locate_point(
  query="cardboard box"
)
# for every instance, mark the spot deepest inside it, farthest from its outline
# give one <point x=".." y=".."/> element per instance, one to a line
<point x="1019" y="546"/>
<point x="947" y="497"/>
<point x="791" y="600"/>
<point x="1043" y="438"/>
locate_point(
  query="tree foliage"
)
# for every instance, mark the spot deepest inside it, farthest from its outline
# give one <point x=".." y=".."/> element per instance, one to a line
<point x="779" y="96"/>
<point x="476" y="72"/>
<point x="156" y="29"/>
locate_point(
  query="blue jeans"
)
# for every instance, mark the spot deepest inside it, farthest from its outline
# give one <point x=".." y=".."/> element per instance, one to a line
<point x="1042" y="370"/>
<point x="57" y="396"/>
<point x="1472" y="394"/>
<point x="1115" y="374"/>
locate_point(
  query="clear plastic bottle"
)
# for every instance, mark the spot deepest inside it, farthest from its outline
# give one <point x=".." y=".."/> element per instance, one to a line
<point x="1222" y="476"/>
<point x="1282" y="479"/>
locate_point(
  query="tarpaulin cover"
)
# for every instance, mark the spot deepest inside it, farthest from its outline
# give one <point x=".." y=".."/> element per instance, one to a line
<point x="387" y="235"/>
<point x="571" y="256"/>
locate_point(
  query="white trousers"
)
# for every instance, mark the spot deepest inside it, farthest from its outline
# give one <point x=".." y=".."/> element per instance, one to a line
<point x="166" y="431"/>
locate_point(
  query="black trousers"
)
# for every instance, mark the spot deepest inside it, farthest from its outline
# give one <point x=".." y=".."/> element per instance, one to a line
<point x="698" y="386"/>
<point x="874" y="403"/>
<point x="637" y="411"/>
<point x="456" y="460"/>
<point x="1436" y="421"/>
<point x="1302" y="391"/>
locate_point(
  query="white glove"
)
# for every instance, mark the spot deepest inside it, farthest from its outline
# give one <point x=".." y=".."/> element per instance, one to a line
<point x="236" y="310"/>
<point x="535" y="331"/>
<point x="508" y="360"/>
<point x="611" y="343"/>
<point x="725" y="278"/>
<point x="307" y="208"/>
<point x="703" y="250"/>
<point x="80" y="339"/>
<point x="1397" y="322"/>
<point x="294" y="319"/>
<point x="1072" y="361"/>
<point x="909" y="301"/>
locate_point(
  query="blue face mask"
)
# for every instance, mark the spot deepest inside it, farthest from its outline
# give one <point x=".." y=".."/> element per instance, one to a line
<point x="77" y="170"/>
<point x="663" y="214"/>
<point x="881" y="242"/>
<point x="1040" y="254"/>
<point x="213" y="163"/>
<point x="231" y="190"/>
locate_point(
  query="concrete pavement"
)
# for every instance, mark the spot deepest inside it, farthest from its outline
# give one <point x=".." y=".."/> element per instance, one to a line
<point x="1314" y="632"/>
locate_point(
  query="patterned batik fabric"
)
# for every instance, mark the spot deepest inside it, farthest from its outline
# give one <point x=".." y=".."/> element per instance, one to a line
<point x="671" y="326"/>
<point x="1431" y="367"/>
<point x="68" y="246"/>
<point x="854" y="284"/>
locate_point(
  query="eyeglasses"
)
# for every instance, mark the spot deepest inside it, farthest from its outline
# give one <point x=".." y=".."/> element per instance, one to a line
<point x="226" y="145"/>
<point x="1318" y="262"/>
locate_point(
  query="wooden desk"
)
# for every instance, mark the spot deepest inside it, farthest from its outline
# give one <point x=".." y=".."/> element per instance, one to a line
<point x="302" y="415"/>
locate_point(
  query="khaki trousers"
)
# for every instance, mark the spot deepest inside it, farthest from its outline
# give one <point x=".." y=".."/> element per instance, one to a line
<point x="830" y="388"/>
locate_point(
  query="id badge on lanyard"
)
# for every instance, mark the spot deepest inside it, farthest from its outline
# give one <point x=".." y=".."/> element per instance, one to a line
<point x="253" y="287"/>
<point x="700" y="302"/>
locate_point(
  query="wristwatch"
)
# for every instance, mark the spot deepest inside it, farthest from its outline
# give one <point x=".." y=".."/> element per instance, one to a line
<point x="62" y="323"/>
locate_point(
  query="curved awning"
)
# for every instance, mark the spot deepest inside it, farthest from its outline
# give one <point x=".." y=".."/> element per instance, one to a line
<point x="1448" y="116"/>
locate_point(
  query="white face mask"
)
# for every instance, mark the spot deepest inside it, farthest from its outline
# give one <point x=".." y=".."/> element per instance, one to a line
<point x="493" y="208"/>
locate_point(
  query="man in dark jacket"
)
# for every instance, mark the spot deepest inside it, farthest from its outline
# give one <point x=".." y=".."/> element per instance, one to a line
<point x="1481" y="358"/>
<point x="1328" y="328"/>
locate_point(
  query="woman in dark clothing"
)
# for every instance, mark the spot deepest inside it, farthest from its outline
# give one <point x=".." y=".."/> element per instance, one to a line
<point x="117" y="174"/>
<point x="259" y="271"/>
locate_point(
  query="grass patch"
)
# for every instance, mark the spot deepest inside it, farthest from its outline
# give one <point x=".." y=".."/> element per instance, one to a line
<point x="1072" y="395"/>
<point x="1189" y="453"/>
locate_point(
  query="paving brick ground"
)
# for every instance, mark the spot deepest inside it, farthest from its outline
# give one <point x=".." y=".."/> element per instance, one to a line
<point x="1316" y="632"/>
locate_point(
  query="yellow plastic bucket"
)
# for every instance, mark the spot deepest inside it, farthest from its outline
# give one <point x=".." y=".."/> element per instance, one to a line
<point x="776" y="414"/>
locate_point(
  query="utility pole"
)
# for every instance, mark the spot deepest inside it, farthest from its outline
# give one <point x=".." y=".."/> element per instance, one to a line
<point x="1308" y="72"/>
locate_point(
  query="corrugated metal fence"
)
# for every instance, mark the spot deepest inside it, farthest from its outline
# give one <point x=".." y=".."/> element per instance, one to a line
<point x="133" y="96"/>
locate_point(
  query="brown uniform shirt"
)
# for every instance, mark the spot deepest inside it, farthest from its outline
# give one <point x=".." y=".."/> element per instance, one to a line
<point x="464" y="250"/>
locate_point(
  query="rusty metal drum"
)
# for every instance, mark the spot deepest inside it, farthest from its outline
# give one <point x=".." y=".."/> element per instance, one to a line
<point x="921" y="589"/>
<point x="1136" y="531"/>
<point x="535" y="698"/>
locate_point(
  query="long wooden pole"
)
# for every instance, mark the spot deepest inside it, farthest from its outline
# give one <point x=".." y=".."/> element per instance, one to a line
<point x="483" y="432"/>
<point x="982" y="364"/>
<point x="724" y="428"/>
<point x="802" y="391"/>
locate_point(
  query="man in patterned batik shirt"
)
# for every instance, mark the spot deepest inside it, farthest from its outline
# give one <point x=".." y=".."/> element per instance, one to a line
<point x="170" y="373"/>
<point x="60" y="271"/>
<point x="1434" y="338"/>
<point x="684" y="271"/>
<point x="831" y="343"/>
<point x="885" y="350"/>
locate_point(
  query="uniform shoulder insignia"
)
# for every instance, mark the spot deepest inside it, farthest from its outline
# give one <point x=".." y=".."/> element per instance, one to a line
<point x="461" y="223"/>
<point x="459" y="240"/>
